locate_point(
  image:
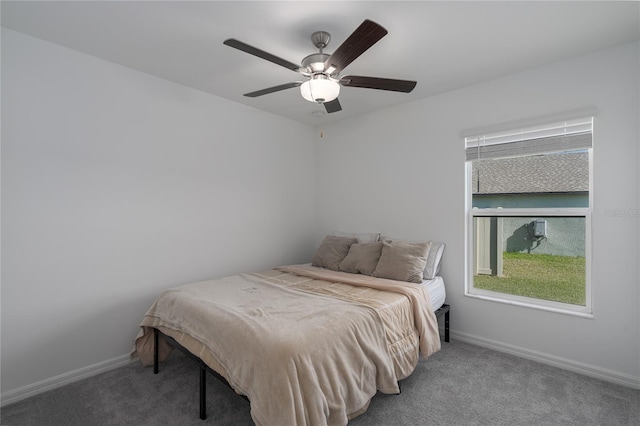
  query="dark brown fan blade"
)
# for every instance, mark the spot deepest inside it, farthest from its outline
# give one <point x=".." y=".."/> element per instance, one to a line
<point x="333" y="106"/>
<point x="365" y="36"/>
<point x="273" y="89"/>
<point x="405" y="86"/>
<point x="232" y="42"/>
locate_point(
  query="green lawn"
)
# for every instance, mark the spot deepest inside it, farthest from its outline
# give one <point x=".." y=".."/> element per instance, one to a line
<point x="541" y="276"/>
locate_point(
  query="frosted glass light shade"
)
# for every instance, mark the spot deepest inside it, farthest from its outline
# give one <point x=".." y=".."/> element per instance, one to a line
<point x="320" y="89"/>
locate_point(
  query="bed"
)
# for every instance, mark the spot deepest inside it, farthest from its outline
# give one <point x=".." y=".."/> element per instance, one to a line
<point x="305" y="344"/>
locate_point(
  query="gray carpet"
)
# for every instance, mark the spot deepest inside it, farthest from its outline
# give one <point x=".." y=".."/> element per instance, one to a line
<point x="461" y="385"/>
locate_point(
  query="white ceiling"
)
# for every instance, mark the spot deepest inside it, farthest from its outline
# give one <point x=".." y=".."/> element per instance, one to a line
<point x="442" y="45"/>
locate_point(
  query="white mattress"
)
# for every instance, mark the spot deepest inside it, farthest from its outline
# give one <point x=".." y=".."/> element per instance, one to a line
<point x="435" y="288"/>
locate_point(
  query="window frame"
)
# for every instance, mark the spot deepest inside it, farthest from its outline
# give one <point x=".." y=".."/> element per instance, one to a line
<point x="585" y="311"/>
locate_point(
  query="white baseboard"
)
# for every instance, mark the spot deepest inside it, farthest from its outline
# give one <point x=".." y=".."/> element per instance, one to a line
<point x="27" y="391"/>
<point x="556" y="361"/>
<point x="19" y="394"/>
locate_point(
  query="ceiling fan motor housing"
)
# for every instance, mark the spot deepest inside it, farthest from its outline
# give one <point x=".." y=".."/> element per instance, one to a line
<point x="314" y="63"/>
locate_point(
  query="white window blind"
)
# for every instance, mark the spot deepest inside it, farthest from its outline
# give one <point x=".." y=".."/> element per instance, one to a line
<point x="560" y="136"/>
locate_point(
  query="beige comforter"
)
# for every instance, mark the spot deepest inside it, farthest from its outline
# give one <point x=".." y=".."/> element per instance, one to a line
<point x="299" y="356"/>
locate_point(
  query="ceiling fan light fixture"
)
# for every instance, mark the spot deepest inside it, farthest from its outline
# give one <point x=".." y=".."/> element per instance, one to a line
<point x="320" y="89"/>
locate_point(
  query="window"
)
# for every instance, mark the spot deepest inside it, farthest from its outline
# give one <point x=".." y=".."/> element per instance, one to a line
<point x="529" y="216"/>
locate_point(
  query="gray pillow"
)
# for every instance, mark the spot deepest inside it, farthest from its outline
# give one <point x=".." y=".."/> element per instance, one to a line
<point x="434" y="257"/>
<point x="402" y="261"/>
<point x="332" y="251"/>
<point x="362" y="258"/>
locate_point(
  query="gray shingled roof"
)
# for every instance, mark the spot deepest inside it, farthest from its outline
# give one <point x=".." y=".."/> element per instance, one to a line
<point x="532" y="174"/>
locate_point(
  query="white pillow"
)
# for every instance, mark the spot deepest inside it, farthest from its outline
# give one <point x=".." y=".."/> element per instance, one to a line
<point x="433" y="260"/>
<point x="363" y="237"/>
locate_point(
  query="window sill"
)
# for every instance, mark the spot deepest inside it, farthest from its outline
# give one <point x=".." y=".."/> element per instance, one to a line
<point x="543" y="305"/>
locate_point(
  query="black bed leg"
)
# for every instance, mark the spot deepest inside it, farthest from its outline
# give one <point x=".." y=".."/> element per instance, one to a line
<point x="155" y="351"/>
<point x="446" y="326"/>
<point x="444" y="310"/>
<point x="203" y="391"/>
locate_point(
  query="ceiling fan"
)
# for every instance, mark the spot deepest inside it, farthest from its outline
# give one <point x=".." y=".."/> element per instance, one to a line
<point x="322" y="70"/>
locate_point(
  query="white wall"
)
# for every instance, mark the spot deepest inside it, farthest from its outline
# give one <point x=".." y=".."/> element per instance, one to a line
<point x="116" y="185"/>
<point x="401" y="172"/>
